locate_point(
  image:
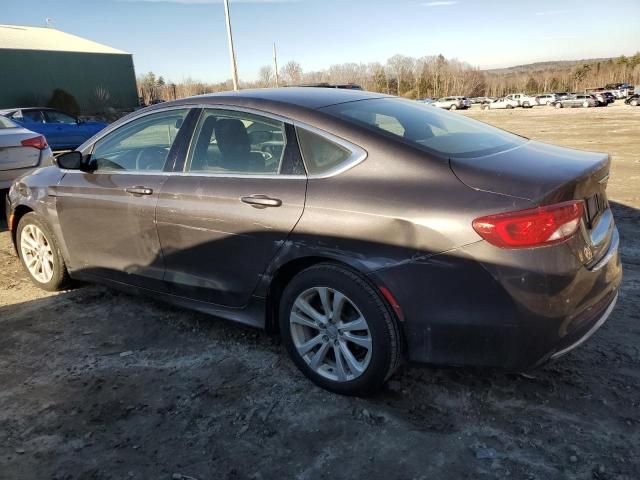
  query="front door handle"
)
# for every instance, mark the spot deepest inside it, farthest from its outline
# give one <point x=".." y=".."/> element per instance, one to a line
<point x="261" y="201"/>
<point x="139" y="190"/>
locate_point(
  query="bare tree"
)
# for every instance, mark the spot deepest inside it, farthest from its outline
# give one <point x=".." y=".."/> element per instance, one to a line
<point x="291" y="73"/>
<point x="265" y="75"/>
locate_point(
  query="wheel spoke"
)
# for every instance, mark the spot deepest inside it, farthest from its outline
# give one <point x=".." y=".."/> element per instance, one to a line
<point x="47" y="269"/>
<point x="32" y="263"/>
<point x="30" y="242"/>
<point x="303" y="305"/>
<point x="319" y="356"/>
<point x="307" y="346"/>
<point x="300" y="320"/>
<point x="338" y="304"/>
<point x="323" y="292"/>
<point x="354" y="365"/>
<point x="340" y="370"/>
<point x="363" y="341"/>
<point x="357" y="324"/>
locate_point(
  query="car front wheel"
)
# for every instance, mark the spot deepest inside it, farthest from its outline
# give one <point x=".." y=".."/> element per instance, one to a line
<point x="339" y="331"/>
<point x="40" y="253"/>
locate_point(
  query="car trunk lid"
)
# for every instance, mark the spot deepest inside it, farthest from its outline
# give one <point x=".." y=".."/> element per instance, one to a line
<point x="13" y="154"/>
<point x="546" y="174"/>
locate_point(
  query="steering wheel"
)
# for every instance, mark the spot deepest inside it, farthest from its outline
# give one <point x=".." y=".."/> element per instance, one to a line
<point x="155" y="158"/>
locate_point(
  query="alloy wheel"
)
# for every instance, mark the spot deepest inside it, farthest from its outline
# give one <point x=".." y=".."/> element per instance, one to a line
<point x="330" y="334"/>
<point x="37" y="253"/>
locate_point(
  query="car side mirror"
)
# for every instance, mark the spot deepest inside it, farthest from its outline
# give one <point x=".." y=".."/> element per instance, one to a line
<point x="70" y="160"/>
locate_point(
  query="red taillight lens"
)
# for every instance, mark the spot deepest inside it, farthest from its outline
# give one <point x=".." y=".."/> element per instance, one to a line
<point x="535" y="227"/>
<point x="38" y="142"/>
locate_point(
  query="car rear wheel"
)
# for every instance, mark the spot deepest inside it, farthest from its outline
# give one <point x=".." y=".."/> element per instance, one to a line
<point x="558" y="105"/>
<point x="338" y="330"/>
<point x="585" y="104"/>
<point x="509" y="107"/>
<point x="453" y="107"/>
<point x="526" y="105"/>
<point x="634" y="103"/>
<point x="485" y="107"/>
<point x="40" y="254"/>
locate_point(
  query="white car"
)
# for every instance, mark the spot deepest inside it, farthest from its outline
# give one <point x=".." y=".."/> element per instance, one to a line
<point x="452" y="103"/>
<point x="523" y="100"/>
<point x="547" y="99"/>
<point x="21" y="151"/>
<point x="500" y="103"/>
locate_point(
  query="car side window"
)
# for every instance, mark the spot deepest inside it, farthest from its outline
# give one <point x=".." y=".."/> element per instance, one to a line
<point x="53" y="116"/>
<point x="140" y="145"/>
<point x="32" y="116"/>
<point x="319" y="153"/>
<point x="241" y="143"/>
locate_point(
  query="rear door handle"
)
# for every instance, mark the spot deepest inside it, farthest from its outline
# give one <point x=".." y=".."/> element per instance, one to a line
<point x="139" y="190"/>
<point x="261" y="201"/>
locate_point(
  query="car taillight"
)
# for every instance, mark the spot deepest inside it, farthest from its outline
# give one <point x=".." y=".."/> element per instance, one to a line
<point x="38" y="142"/>
<point x="535" y="227"/>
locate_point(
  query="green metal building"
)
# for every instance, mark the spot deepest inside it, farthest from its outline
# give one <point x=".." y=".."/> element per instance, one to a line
<point x="35" y="61"/>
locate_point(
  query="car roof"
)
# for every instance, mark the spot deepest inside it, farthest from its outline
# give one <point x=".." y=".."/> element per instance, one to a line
<point x="15" y="109"/>
<point x="305" y="97"/>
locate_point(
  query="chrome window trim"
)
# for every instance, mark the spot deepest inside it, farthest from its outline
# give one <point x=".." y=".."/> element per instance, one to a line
<point x="358" y="154"/>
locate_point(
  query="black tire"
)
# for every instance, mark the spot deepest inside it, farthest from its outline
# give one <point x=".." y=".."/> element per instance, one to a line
<point x="509" y="107"/>
<point x="558" y="105"/>
<point x="453" y="107"/>
<point x="386" y="350"/>
<point x="634" y="103"/>
<point x="60" y="278"/>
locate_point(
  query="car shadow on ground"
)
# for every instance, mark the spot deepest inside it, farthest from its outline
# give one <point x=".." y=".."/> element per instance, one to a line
<point x="98" y="383"/>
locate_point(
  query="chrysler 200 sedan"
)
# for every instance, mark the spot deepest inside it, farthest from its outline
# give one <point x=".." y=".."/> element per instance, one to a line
<point x="365" y="228"/>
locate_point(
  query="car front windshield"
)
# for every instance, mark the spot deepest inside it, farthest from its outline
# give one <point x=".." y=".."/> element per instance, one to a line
<point x="427" y="128"/>
<point x="6" y="123"/>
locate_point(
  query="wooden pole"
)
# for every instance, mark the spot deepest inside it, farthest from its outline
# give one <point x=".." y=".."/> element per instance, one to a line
<point x="232" y="53"/>
<point x="275" y="64"/>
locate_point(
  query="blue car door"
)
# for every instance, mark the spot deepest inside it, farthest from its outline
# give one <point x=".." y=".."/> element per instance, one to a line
<point x="62" y="130"/>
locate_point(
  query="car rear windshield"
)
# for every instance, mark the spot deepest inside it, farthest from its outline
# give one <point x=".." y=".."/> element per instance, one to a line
<point x="428" y="128"/>
<point x="6" y="123"/>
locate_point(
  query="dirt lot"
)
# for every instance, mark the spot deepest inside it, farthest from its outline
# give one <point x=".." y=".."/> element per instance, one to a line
<point x="96" y="384"/>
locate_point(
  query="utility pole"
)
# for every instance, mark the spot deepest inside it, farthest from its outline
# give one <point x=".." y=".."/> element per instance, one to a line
<point x="275" y="63"/>
<point x="232" y="53"/>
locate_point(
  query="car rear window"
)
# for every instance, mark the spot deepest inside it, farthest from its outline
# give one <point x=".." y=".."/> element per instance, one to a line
<point x="6" y="123"/>
<point x="427" y="128"/>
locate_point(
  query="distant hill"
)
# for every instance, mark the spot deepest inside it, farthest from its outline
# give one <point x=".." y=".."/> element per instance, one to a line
<point x="542" y="66"/>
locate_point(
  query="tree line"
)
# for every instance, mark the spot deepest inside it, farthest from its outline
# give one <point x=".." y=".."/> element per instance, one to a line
<point x="431" y="76"/>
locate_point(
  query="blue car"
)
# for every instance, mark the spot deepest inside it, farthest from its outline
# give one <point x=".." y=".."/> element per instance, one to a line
<point x="62" y="131"/>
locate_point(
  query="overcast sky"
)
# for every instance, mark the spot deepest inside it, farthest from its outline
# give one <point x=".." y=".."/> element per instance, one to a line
<point x="187" y="38"/>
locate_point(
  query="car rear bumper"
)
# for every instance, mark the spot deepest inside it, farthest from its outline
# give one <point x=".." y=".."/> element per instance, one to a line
<point x="461" y="311"/>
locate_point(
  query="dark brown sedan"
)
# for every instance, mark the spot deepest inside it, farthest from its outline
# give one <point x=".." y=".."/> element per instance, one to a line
<point x="365" y="228"/>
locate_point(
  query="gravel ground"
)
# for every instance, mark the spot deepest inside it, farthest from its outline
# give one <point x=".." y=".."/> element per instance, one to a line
<point x="97" y="384"/>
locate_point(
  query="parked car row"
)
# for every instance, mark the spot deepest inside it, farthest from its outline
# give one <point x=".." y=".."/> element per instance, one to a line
<point x="596" y="97"/>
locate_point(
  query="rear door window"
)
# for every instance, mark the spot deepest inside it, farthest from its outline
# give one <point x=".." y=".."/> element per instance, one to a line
<point x="238" y="143"/>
